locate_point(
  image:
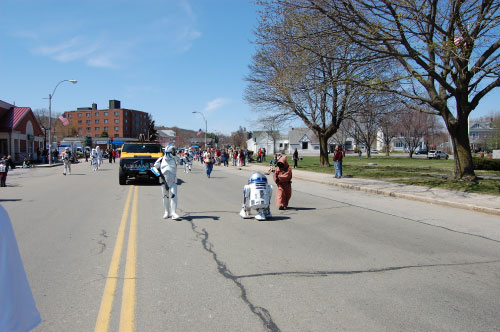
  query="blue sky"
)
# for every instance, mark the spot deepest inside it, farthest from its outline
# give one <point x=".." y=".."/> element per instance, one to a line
<point x="165" y="57"/>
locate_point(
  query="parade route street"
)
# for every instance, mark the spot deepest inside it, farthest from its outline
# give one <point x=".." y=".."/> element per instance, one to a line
<point x="99" y="256"/>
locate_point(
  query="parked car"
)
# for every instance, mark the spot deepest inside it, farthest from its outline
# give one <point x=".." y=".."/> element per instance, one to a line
<point x="422" y="151"/>
<point x="437" y="154"/>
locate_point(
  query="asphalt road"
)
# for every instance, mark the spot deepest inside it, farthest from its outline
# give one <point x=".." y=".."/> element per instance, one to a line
<point x="99" y="256"/>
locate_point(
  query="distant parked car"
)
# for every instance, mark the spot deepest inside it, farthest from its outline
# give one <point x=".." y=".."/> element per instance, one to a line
<point x="422" y="151"/>
<point x="437" y="154"/>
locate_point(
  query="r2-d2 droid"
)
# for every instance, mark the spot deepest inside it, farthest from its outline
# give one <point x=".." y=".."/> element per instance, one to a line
<point x="257" y="195"/>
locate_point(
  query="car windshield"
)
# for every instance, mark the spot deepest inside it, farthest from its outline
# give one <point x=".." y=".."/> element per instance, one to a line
<point x="141" y="148"/>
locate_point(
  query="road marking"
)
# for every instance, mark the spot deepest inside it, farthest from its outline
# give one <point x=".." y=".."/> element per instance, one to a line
<point x="127" y="314"/>
<point x="102" y="323"/>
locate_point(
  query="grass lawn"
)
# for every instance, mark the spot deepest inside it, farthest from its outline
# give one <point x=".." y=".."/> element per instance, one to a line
<point x="401" y="169"/>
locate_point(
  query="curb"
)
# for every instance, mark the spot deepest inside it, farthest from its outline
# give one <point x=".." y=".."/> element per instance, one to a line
<point x="469" y="207"/>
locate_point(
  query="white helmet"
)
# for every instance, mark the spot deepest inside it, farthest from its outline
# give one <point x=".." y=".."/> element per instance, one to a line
<point x="170" y="150"/>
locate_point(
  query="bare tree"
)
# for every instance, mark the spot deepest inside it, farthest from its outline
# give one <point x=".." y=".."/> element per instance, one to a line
<point x="448" y="53"/>
<point x="365" y="125"/>
<point x="412" y="127"/>
<point x="388" y="130"/>
<point x="302" y="74"/>
<point x="239" y="138"/>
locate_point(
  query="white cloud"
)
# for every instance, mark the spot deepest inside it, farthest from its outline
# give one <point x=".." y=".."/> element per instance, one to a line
<point x="215" y="104"/>
<point x="93" y="53"/>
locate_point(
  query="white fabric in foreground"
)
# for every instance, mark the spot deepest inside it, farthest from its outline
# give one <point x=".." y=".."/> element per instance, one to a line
<point x="18" y="312"/>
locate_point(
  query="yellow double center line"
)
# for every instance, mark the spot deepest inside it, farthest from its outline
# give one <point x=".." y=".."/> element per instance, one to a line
<point x="127" y="314"/>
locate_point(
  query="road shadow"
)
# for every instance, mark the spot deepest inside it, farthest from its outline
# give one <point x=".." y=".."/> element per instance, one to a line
<point x="192" y="218"/>
<point x="277" y="218"/>
<point x="11" y="200"/>
<point x="299" y="208"/>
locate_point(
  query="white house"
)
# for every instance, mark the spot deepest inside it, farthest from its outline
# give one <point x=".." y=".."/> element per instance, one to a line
<point x="307" y="143"/>
<point x="265" y="140"/>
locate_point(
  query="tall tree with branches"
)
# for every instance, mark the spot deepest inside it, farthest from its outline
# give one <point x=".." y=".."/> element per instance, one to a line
<point x="299" y="72"/>
<point x="447" y="50"/>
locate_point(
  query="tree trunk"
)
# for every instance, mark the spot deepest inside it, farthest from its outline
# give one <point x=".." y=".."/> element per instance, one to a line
<point x="464" y="167"/>
<point x="323" y="150"/>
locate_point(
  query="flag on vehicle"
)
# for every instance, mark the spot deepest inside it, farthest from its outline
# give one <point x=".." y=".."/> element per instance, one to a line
<point x="64" y="120"/>
<point x="199" y="132"/>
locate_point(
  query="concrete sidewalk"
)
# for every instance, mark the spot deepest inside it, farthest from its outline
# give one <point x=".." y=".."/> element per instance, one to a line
<point x="469" y="201"/>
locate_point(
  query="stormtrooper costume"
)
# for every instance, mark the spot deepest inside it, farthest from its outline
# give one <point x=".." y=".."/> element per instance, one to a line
<point x="257" y="195"/>
<point x="188" y="162"/>
<point x="99" y="156"/>
<point x="67" y="161"/>
<point x="94" y="159"/>
<point x="166" y="168"/>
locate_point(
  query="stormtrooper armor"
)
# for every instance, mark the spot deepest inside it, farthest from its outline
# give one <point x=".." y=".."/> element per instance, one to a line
<point x="94" y="159"/>
<point x="188" y="162"/>
<point x="257" y="195"/>
<point x="166" y="168"/>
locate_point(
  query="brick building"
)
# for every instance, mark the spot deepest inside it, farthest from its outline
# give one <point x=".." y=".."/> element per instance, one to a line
<point x="116" y="121"/>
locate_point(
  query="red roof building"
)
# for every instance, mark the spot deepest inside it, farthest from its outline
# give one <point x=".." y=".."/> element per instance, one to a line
<point x="20" y="133"/>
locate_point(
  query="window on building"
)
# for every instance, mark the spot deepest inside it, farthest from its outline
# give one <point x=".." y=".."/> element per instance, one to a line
<point x="105" y="120"/>
<point x="79" y="115"/>
<point x="96" y="121"/>
<point x="126" y="120"/>
<point x="281" y="145"/>
<point x="117" y="128"/>
<point x="87" y="122"/>
<point x="96" y="113"/>
<point x="70" y="115"/>
<point x="305" y="145"/>
<point x="89" y="129"/>
<point x="79" y="121"/>
<point x="87" y="115"/>
<point x="105" y="128"/>
<point x="126" y="113"/>
<point x="116" y="113"/>
<point x="117" y="121"/>
<point x="97" y="129"/>
<point x="117" y="135"/>
<point x="105" y="113"/>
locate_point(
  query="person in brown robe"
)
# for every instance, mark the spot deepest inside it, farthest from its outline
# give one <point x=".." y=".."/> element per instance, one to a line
<point x="283" y="177"/>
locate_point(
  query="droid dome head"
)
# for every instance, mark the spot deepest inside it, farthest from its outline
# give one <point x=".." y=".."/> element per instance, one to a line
<point x="257" y="178"/>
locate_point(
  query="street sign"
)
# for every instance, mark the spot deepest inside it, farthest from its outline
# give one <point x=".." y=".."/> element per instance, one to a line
<point x="58" y="143"/>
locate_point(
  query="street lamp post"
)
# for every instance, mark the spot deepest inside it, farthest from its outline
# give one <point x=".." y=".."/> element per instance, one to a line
<point x="205" y="127"/>
<point x="50" y="116"/>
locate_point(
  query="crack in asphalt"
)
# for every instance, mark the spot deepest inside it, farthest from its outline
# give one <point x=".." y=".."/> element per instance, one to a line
<point x="380" y="270"/>
<point x="261" y="312"/>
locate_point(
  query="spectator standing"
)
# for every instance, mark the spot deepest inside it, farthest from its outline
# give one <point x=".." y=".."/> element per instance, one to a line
<point x="10" y="163"/>
<point x="259" y="155"/>
<point x="359" y="153"/>
<point x="209" y="162"/>
<point x="283" y="178"/>
<point x="295" y="158"/>
<point x="4" y="169"/>
<point x="114" y="155"/>
<point x="263" y="154"/>
<point x="337" y="162"/>
<point x="235" y="158"/>
<point x="241" y="156"/>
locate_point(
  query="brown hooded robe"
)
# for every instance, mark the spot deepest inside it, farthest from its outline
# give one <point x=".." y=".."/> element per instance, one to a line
<point x="283" y="177"/>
